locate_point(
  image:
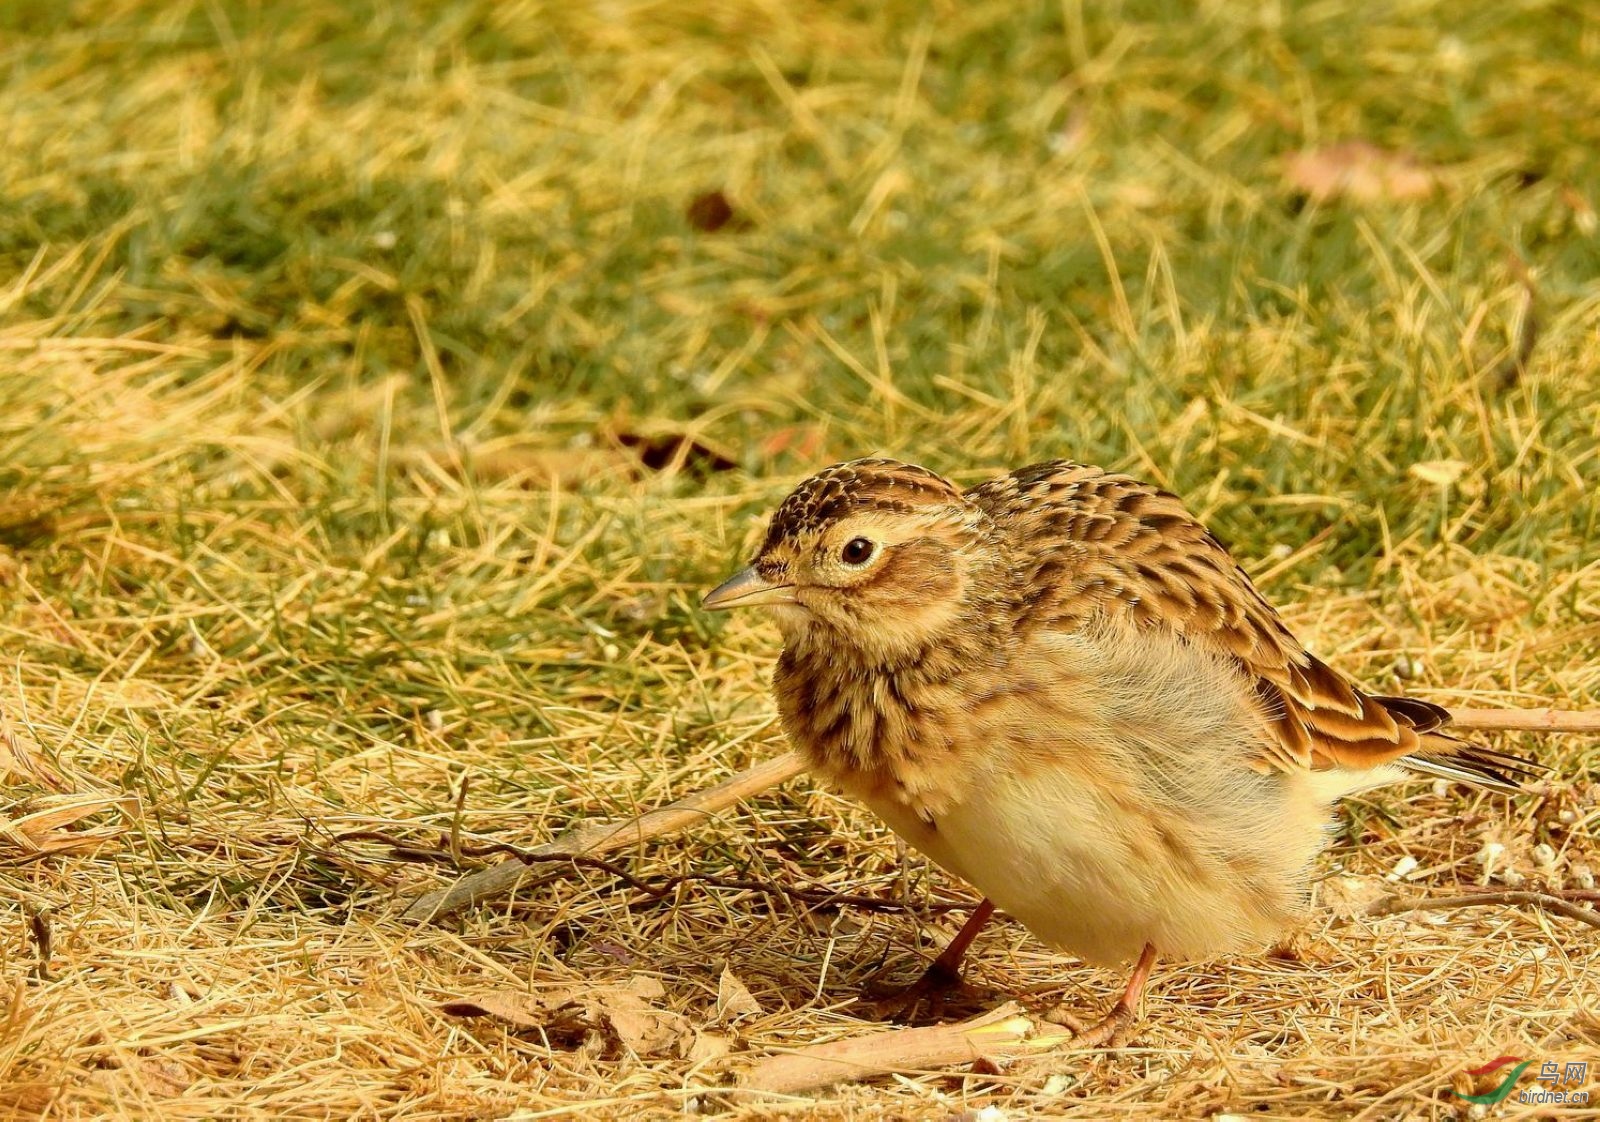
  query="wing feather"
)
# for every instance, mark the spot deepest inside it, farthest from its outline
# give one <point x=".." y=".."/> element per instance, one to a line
<point x="1093" y="544"/>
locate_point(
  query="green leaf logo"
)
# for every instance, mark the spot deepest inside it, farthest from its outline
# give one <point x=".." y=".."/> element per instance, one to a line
<point x="1504" y="1089"/>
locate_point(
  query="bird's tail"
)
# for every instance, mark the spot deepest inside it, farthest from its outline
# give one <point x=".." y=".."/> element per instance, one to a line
<point x="1448" y="757"/>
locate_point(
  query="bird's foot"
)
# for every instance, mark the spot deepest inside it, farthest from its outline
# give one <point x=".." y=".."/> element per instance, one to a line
<point x="1111" y="1031"/>
<point x="939" y="991"/>
<point x="1114" y="1030"/>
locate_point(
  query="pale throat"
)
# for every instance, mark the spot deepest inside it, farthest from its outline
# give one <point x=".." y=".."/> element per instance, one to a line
<point x="895" y="638"/>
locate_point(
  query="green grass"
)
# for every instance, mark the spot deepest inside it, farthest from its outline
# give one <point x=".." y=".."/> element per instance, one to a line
<point x="318" y="323"/>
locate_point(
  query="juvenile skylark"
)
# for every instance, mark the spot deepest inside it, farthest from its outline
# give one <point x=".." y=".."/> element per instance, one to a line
<point x="1060" y="686"/>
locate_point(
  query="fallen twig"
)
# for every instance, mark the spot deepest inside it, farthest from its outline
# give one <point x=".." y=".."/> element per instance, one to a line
<point x="1397" y="905"/>
<point x="504" y="878"/>
<point x="999" y="1035"/>
<point x="565" y="864"/>
<point x="1524" y="720"/>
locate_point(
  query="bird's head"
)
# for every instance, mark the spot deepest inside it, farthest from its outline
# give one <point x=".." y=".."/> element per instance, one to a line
<point x="874" y="559"/>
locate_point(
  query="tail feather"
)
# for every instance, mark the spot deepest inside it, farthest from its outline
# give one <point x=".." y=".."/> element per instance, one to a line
<point x="1447" y="757"/>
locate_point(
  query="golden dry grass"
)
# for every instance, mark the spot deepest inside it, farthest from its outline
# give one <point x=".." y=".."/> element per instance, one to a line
<point x="316" y="334"/>
<point x="222" y="953"/>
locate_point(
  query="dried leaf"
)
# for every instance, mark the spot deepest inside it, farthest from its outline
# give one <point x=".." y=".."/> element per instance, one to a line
<point x="734" y="999"/>
<point x="1359" y="171"/>
<point x="1347" y="896"/>
<point x="1440" y="473"/>
<point x="672" y="451"/>
<point x="643" y="985"/>
<point x="524" y="1010"/>
<point x="26" y="520"/>
<point x="710" y="211"/>
<point x="622" y="1015"/>
<point x="708" y="1046"/>
<point x="46" y="830"/>
<point x="157" y="1077"/>
<point x="641" y="1028"/>
<point x="805" y="441"/>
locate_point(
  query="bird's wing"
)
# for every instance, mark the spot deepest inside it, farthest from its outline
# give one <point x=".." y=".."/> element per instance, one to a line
<point x="1093" y="543"/>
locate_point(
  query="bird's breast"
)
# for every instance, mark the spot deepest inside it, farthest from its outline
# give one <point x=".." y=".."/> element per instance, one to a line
<point x="1101" y="787"/>
<point x="881" y="735"/>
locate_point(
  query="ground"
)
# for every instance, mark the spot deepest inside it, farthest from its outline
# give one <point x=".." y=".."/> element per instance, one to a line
<point x="381" y="386"/>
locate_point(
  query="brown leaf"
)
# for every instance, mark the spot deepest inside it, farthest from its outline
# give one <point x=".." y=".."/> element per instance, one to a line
<point x="710" y="211"/>
<point x="1359" y="171"/>
<point x="525" y="1010"/>
<point x="803" y="440"/>
<point x="734" y="999"/>
<point x="646" y="1030"/>
<point x="158" y="1077"/>
<point x="708" y="1046"/>
<point x="622" y="1015"/>
<point x="672" y="451"/>
<point x="1347" y="896"/>
<point x="26" y="520"/>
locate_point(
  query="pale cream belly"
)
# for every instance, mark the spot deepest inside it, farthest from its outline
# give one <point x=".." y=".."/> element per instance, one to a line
<point x="1082" y="876"/>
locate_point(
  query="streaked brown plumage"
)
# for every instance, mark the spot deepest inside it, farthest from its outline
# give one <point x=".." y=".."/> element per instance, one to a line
<point x="1060" y="686"/>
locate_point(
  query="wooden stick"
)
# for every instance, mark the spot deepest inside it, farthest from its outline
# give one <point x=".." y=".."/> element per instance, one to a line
<point x="1395" y="905"/>
<point x="998" y="1035"/>
<point x="503" y="879"/>
<point x="1524" y="720"/>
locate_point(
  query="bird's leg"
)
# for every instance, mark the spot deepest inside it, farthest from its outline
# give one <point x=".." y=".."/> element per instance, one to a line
<point x="943" y="973"/>
<point x="945" y="970"/>
<point x="1112" y="1031"/>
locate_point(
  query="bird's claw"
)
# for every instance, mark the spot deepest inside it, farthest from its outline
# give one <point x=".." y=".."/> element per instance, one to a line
<point x="1111" y="1031"/>
<point x="937" y="990"/>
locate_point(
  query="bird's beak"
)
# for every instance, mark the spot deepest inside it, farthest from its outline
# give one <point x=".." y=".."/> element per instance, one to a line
<point x="747" y="589"/>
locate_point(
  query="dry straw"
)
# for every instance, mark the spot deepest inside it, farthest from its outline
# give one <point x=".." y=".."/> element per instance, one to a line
<point x="366" y="381"/>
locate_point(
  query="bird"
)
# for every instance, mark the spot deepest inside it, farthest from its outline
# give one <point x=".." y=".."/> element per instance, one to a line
<point x="1060" y="686"/>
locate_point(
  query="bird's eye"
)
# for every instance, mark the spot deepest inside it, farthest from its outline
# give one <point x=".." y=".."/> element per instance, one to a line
<point x="856" y="551"/>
